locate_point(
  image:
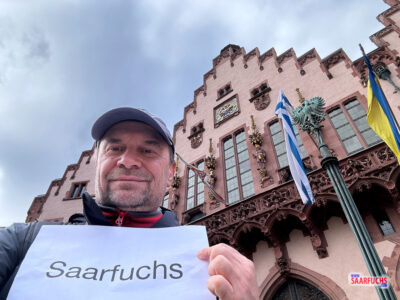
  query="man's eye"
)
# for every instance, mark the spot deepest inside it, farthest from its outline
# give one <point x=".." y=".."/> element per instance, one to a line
<point x="147" y="151"/>
<point x="115" y="149"/>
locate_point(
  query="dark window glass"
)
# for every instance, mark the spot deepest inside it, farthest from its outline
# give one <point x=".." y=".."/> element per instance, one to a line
<point x="78" y="190"/>
<point x="195" y="188"/>
<point x="295" y="289"/>
<point x="345" y="131"/>
<point x="383" y="221"/>
<point x="359" y="118"/>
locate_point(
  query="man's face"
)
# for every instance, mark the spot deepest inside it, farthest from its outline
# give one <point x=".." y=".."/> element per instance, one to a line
<point x="133" y="169"/>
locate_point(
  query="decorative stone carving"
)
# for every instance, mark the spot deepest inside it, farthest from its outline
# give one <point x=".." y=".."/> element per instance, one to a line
<point x="243" y="211"/>
<point x="319" y="181"/>
<point x="383" y="72"/>
<point x="355" y="168"/>
<point x="320" y="201"/>
<point x="385" y="155"/>
<point x="276" y="199"/>
<point x="216" y="221"/>
<point x="196" y="136"/>
<point x="284" y="174"/>
<point x="255" y="138"/>
<point x="174" y="201"/>
<point x="211" y="164"/>
<point x="283" y="266"/>
<point x="310" y="55"/>
<point x="260" y="97"/>
<point x="176" y="182"/>
<point x="308" y="164"/>
<point x="284" y="56"/>
<point x="334" y="58"/>
<point x="260" y="155"/>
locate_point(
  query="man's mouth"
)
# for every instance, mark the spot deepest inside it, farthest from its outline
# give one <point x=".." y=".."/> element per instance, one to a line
<point x="128" y="179"/>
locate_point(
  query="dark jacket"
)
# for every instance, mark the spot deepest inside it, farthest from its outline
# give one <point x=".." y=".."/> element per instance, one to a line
<point x="16" y="239"/>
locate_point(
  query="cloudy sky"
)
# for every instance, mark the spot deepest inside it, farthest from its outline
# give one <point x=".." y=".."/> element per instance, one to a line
<point x="63" y="63"/>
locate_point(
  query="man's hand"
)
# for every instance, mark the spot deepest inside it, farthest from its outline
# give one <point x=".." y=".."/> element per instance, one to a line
<point x="232" y="276"/>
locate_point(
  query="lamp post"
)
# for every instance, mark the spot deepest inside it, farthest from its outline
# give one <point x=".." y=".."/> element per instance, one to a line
<point x="308" y="116"/>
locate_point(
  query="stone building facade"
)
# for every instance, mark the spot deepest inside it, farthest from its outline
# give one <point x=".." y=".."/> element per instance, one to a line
<point x="231" y="131"/>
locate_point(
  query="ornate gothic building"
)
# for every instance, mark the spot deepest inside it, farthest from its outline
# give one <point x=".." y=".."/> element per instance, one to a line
<point x="230" y="130"/>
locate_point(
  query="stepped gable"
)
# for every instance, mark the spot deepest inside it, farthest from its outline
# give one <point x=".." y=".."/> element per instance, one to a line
<point x="232" y="52"/>
<point x="335" y="58"/>
<point x="249" y="55"/>
<point x="390" y="25"/>
<point x="384" y="17"/>
<point x="35" y="209"/>
<point x="38" y="202"/>
<point x="376" y="38"/>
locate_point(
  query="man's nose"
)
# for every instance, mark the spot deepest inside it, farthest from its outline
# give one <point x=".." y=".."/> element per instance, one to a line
<point x="129" y="159"/>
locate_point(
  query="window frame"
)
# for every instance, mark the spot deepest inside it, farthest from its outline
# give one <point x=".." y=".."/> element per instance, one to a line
<point x="237" y="168"/>
<point x="195" y="186"/>
<point x="81" y="187"/>
<point x="342" y="107"/>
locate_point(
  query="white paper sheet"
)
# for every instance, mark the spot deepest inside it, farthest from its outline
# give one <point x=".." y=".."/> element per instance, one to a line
<point x="101" y="262"/>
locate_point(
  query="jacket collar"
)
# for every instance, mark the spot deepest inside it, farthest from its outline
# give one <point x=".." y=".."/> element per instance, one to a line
<point x="94" y="214"/>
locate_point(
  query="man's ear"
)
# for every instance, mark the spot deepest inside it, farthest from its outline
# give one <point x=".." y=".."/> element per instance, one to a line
<point x="171" y="174"/>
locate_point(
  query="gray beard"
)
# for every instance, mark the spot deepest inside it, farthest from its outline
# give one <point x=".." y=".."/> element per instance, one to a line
<point x="130" y="202"/>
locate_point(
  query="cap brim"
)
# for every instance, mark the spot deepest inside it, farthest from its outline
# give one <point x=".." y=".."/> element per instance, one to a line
<point x="118" y="115"/>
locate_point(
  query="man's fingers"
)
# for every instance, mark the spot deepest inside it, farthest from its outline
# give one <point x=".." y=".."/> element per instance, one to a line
<point x="220" y="265"/>
<point x="232" y="275"/>
<point x="220" y="287"/>
<point x="204" y="254"/>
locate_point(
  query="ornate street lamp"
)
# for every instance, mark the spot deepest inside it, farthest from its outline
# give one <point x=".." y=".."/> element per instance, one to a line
<point x="308" y="116"/>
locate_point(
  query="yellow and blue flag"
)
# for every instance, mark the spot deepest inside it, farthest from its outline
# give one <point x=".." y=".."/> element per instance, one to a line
<point x="379" y="115"/>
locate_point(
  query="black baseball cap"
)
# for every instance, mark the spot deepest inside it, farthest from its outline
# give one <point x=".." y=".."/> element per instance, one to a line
<point x="121" y="114"/>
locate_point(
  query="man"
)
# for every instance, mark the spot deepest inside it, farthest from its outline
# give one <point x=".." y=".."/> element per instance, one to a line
<point x="134" y="167"/>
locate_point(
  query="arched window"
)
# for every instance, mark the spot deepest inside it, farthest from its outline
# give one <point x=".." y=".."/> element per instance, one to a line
<point x="296" y="289"/>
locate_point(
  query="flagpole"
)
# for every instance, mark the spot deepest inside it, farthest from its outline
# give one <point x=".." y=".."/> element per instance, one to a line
<point x="390" y="109"/>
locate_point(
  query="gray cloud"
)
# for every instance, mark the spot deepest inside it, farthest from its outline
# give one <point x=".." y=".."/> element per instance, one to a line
<point x="63" y="63"/>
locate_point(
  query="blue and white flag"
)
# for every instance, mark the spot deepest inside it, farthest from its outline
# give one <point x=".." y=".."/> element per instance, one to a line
<point x="284" y="111"/>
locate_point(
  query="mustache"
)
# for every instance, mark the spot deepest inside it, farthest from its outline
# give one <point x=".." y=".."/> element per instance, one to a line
<point x="136" y="173"/>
